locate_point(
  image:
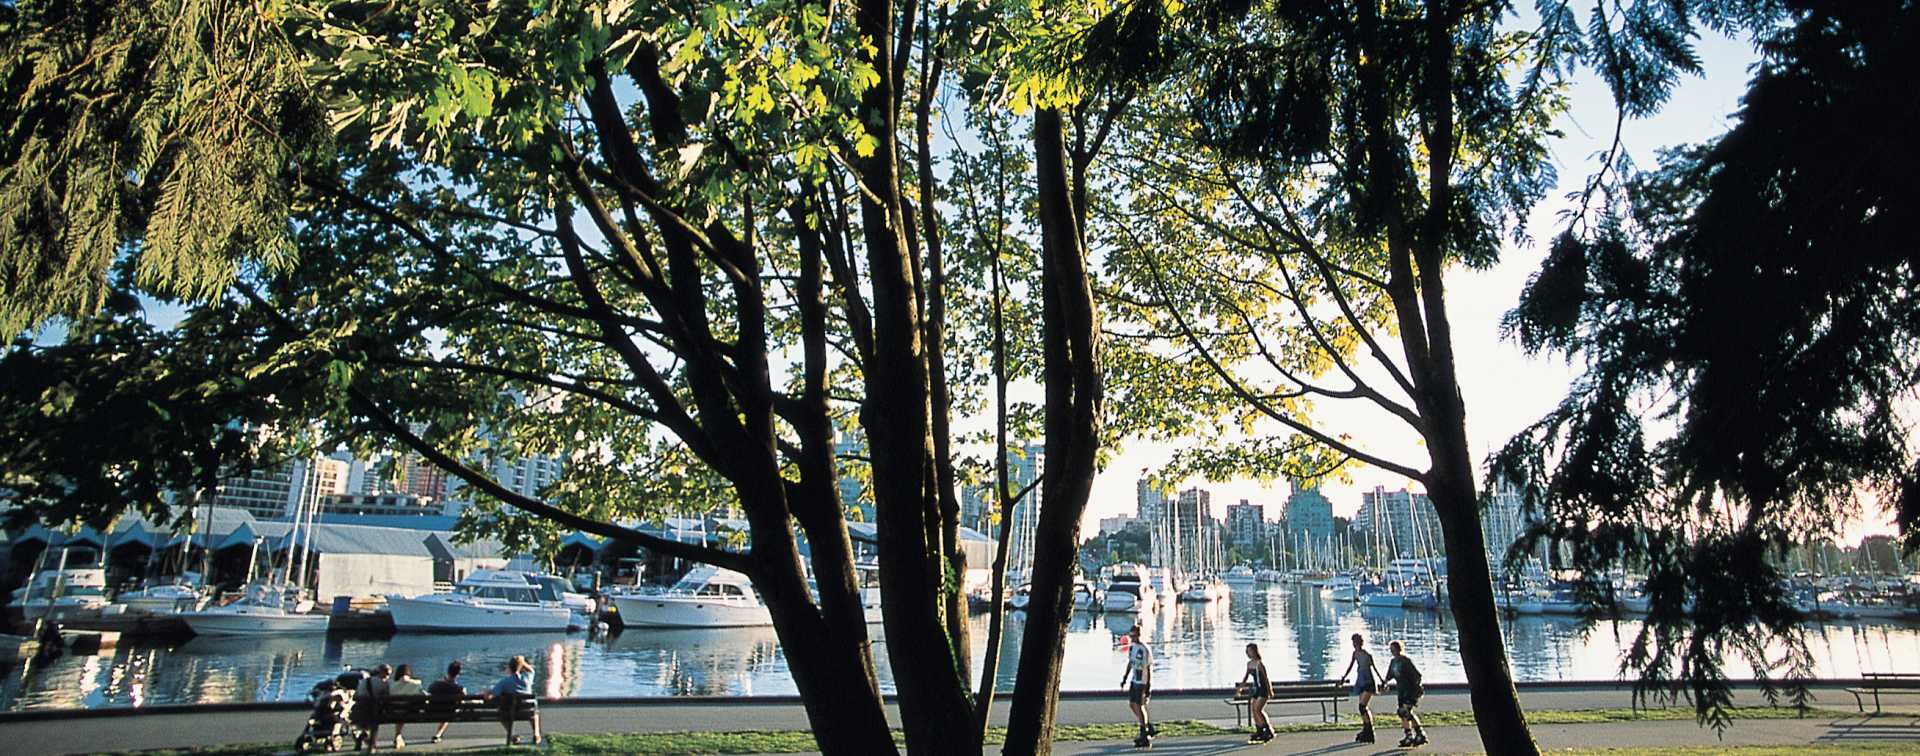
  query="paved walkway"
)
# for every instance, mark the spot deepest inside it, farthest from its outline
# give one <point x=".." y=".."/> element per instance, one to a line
<point x="201" y="728"/>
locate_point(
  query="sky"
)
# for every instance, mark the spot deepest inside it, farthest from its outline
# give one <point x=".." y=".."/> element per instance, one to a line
<point x="1504" y="388"/>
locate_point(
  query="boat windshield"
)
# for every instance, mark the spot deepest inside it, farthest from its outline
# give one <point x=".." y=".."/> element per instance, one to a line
<point x="551" y="588"/>
<point x="515" y="594"/>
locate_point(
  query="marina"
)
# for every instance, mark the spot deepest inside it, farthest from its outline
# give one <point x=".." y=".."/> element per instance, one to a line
<point x="1301" y="633"/>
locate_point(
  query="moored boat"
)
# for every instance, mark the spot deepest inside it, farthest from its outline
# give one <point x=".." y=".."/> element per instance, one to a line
<point x="487" y="601"/>
<point x="265" y="609"/>
<point x="707" y="597"/>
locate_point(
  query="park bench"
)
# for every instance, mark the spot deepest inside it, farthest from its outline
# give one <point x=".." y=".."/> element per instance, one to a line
<point x="1875" y="683"/>
<point x="1327" y="693"/>
<point x="436" y="709"/>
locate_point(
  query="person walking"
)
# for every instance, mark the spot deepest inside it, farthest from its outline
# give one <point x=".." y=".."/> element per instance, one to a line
<point x="404" y="684"/>
<point x="515" y="692"/>
<point x="1258" y="689"/>
<point x="1365" y="685"/>
<point x="1405" y="679"/>
<point x="1138" y="680"/>
<point x="445" y="688"/>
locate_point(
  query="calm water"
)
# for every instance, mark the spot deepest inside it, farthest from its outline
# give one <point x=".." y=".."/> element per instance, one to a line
<point x="1197" y="645"/>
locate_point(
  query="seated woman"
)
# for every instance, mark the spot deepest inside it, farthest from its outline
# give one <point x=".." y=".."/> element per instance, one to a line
<point x="515" y="692"/>
<point x="403" y="684"/>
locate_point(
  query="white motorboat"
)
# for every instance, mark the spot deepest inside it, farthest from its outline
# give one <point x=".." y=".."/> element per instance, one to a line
<point x="1240" y="576"/>
<point x="707" y="597"/>
<point x="263" y="610"/>
<point x="1086" y="597"/>
<point x="59" y="593"/>
<point x="182" y="594"/>
<point x="1204" y="590"/>
<point x="506" y="601"/>
<point x="1021" y="597"/>
<point x="1128" y="591"/>
<point x="1341" y="588"/>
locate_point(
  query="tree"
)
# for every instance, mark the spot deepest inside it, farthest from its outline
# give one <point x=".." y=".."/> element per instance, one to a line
<point x="186" y="175"/>
<point x="1756" y="294"/>
<point x="675" y="248"/>
<point x="1305" y="179"/>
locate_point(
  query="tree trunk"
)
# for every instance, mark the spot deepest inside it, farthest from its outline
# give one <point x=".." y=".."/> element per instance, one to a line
<point x="1072" y="425"/>
<point x="834" y="678"/>
<point x="1003" y="502"/>
<point x="1483" y="650"/>
<point x="936" y="708"/>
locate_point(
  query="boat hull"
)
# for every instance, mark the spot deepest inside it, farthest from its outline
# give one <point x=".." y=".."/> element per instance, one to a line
<point x="254" y="623"/>
<point x="422" y="615"/>
<point x="1382" y="599"/>
<point x="685" y="611"/>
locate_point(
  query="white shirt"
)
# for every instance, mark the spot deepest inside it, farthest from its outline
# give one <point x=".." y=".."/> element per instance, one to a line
<point x="1140" y="657"/>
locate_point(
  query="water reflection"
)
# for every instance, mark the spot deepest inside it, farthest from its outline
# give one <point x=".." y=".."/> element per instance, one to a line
<point x="1301" y="635"/>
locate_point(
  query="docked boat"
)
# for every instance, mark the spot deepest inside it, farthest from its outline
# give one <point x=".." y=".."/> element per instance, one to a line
<point x="59" y="593"/>
<point x="1382" y="597"/>
<point x="1341" y="588"/>
<point x="1240" y="576"/>
<point x="707" y="597"/>
<point x="265" y="609"/>
<point x="1086" y="597"/>
<point x="185" y="593"/>
<point x="1562" y="600"/>
<point x="1128" y="591"/>
<point x="1022" y="596"/>
<point x="1203" y="591"/>
<point x="506" y="601"/>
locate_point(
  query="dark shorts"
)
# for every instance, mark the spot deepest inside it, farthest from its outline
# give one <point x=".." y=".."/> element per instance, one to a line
<point x="1365" y="686"/>
<point x="1138" y="693"/>
<point x="1407" y="702"/>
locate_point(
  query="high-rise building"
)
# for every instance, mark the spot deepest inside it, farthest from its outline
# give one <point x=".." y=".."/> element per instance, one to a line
<point x="1309" y="514"/>
<point x="1246" y="524"/>
<point x="978" y="504"/>
<point x="1117" y="523"/>
<point x="1150" y="499"/>
<point x="1398" y="523"/>
<point x="1024" y="461"/>
<point x="280" y="490"/>
<point x="850" y="455"/>
<point x="1189" y="533"/>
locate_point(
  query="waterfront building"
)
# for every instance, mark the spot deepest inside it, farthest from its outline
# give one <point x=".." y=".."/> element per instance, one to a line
<point x="1308" y="514"/>
<point x="277" y="491"/>
<point x="1188" y="531"/>
<point x="382" y="504"/>
<point x="1246" y="525"/>
<point x="1150" y="499"/>
<point x="1398" y="524"/>
<point x="1112" y="525"/>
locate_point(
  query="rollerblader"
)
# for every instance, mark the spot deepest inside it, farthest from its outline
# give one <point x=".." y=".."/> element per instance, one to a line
<point x="1405" y="678"/>
<point x="1138" y="680"/>
<point x="1258" y="689"/>
<point x="1365" y="685"/>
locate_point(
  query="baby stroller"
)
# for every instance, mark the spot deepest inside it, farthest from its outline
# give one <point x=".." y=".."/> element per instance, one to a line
<point x="330" y="724"/>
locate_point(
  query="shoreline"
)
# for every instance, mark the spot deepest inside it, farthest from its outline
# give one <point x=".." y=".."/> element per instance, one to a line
<point x="1833" y="685"/>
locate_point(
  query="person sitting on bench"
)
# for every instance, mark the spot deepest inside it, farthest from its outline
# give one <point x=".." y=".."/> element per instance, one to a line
<point x="515" y="690"/>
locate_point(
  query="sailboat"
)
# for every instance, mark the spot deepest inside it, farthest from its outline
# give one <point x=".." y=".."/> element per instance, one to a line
<point x="273" y="606"/>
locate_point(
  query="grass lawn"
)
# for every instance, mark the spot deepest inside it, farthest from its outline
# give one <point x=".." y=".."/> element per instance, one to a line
<point x="791" y="741"/>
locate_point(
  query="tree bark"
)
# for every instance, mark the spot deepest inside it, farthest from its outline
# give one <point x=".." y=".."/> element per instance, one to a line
<point x="1072" y="412"/>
